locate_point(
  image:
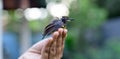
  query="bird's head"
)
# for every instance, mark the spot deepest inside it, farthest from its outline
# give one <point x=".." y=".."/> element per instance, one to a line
<point x="66" y="19"/>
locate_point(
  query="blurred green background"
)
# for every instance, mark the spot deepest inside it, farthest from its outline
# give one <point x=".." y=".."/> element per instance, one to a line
<point x="94" y="34"/>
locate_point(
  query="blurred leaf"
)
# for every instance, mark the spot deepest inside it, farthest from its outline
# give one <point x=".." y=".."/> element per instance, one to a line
<point x="114" y="45"/>
<point x="96" y="17"/>
<point x="78" y="56"/>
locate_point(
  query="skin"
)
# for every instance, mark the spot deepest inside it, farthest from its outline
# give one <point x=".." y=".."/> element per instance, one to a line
<point x="49" y="48"/>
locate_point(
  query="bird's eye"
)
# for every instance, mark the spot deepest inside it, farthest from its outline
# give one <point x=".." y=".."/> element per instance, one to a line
<point x="64" y="18"/>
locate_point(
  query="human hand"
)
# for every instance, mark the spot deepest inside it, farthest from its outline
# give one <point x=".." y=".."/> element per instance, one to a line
<point x="50" y="48"/>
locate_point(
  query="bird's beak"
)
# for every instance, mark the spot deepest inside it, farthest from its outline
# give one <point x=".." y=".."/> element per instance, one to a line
<point x="70" y="19"/>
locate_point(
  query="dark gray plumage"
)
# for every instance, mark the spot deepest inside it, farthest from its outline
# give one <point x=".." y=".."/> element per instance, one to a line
<point x="55" y="25"/>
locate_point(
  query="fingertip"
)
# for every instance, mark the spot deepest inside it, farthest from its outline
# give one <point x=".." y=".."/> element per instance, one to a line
<point x="65" y="30"/>
<point x="55" y="34"/>
<point x="65" y="33"/>
<point x="50" y="39"/>
<point x="60" y="30"/>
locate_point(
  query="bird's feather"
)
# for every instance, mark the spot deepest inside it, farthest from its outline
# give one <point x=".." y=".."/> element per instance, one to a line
<point x="55" y="25"/>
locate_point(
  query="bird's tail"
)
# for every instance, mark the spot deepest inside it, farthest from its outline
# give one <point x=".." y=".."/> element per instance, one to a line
<point x="43" y="37"/>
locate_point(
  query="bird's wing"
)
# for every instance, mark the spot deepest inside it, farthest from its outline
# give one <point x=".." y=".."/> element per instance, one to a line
<point x="49" y="29"/>
<point x="51" y="24"/>
<point x="48" y="26"/>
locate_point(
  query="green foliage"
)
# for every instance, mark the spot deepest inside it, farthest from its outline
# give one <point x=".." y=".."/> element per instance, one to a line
<point x="87" y="15"/>
<point x="114" y="44"/>
<point x="38" y="25"/>
<point x="78" y="56"/>
<point x="112" y="6"/>
<point x="13" y="21"/>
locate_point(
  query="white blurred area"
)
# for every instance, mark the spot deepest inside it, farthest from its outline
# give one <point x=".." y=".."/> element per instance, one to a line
<point x="35" y="13"/>
<point x="58" y="9"/>
<point x="53" y="8"/>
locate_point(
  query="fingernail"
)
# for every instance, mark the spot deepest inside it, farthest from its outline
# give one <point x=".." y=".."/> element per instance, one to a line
<point x="50" y="39"/>
<point x="65" y="30"/>
<point x="60" y="30"/>
<point x="55" y="33"/>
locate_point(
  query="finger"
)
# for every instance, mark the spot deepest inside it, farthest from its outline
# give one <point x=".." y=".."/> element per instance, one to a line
<point x="45" y="50"/>
<point x="60" y="30"/>
<point x="55" y="35"/>
<point x="59" y="39"/>
<point x="58" y="45"/>
<point x="62" y="44"/>
<point x="64" y="33"/>
<point x="61" y="51"/>
<point x="47" y="46"/>
<point x="52" y="51"/>
<point x="53" y="46"/>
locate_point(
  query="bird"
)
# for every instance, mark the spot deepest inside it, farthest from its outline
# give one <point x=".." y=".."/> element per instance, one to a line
<point x="55" y="25"/>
